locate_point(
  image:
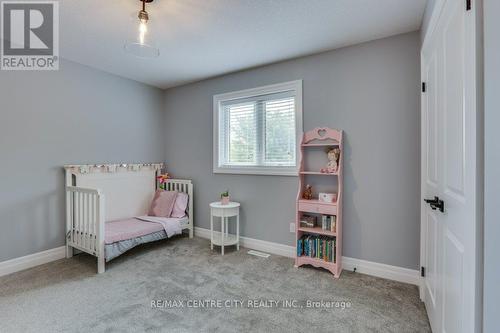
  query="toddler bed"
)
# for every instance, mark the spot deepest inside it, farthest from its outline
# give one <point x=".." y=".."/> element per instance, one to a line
<point x="112" y="208"/>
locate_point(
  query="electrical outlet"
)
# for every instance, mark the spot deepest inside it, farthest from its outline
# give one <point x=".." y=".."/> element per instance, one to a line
<point x="292" y="227"/>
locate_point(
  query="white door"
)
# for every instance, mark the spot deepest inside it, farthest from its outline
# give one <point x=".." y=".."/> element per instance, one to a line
<point x="449" y="155"/>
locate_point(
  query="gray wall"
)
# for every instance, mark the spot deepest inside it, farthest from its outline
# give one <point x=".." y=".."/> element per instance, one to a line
<point x="372" y="92"/>
<point x="48" y="119"/>
<point x="492" y="161"/>
<point x="427" y="17"/>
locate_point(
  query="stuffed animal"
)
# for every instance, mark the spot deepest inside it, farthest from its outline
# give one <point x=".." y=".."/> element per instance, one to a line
<point x="308" y="193"/>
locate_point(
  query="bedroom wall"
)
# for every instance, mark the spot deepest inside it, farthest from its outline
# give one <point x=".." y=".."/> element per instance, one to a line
<point x="71" y="116"/>
<point x="429" y="8"/>
<point x="371" y="91"/>
<point x="492" y="161"/>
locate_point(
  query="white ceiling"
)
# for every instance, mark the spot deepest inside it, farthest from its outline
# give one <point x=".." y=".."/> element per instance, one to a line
<point x="204" y="38"/>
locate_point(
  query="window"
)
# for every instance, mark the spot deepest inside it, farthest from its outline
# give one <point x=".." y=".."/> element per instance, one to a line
<point x="256" y="131"/>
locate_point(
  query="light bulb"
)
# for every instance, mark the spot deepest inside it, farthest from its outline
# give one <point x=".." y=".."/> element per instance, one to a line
<point x="143" y="29"/>
<point x="142" y="46"/>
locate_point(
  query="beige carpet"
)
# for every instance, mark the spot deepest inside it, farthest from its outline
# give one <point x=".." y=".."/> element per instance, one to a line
<point x="201" y="291"/>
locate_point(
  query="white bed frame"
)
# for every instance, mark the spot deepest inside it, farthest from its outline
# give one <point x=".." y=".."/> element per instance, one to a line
<point x="99" y="193"/>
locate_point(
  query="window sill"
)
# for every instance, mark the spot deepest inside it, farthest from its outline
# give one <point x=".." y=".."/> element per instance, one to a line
<point x="257" y="171"/>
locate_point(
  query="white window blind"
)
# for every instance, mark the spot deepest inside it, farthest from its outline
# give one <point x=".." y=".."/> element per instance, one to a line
<point x="258" y="133"/>
<point x="241" y="143"/>
<point x="279" y="127"/>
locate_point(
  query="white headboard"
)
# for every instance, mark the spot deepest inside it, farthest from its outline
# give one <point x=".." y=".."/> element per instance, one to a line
<point x="128" y="188"/>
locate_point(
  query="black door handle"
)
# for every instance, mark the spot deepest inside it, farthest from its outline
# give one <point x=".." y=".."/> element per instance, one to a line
<point x="432" y="201"/>
<point x="436" y="203"/>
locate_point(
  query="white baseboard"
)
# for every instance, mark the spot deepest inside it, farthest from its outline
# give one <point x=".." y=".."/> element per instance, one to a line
<point x="362" y="266"/>
<point x="390" y="272"/>
<point x="255" y="244"/>
<point x="32" y="260"/>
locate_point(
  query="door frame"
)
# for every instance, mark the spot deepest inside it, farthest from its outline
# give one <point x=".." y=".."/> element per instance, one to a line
<point x="473" y="88"/>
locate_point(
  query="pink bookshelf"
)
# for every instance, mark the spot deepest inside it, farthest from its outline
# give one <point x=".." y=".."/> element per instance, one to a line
<point x="322" y="144"/>
<point x="317" y="231"/>
<point x="320" y="137"/>
<point x="318" y="173"/>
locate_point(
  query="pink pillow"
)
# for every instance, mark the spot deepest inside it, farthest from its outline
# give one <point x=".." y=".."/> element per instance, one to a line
<point x="180" y="205"/>
<point x="163" y="203"/>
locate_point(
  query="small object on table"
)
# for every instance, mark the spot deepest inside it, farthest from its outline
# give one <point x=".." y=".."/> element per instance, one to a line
<point x="224" y="238"/>
<point x="224" y="197"/>
<point x="308" y="193"/>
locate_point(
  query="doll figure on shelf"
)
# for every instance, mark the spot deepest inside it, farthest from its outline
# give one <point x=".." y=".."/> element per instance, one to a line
<point x="333" y="155"/>
<point x="308" y="193"/>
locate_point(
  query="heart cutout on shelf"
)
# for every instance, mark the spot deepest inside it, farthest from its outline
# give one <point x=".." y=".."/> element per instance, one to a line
<point x="322" y="132"/>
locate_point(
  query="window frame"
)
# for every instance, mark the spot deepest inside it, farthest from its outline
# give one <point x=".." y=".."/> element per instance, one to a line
<point x="296" y="88"/>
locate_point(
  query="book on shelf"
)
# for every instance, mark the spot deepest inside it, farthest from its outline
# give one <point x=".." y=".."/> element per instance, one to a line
<point x="300" y="245"/>
<point x="318" y="247"/>
<point x="329" y="222"/>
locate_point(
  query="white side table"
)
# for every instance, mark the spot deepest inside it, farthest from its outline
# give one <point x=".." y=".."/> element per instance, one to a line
<point x="224" y="212"/>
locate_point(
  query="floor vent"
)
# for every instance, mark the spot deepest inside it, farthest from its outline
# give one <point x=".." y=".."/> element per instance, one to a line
<point x="258" y="254"/>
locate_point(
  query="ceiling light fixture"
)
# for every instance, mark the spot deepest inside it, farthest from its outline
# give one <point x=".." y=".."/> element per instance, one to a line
<point x="142" y="45"/>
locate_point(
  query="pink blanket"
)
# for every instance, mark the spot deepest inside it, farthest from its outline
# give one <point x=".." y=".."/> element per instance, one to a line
<point x="116" y="231"/>
<point x="171" y="225"/>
